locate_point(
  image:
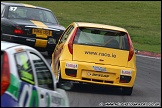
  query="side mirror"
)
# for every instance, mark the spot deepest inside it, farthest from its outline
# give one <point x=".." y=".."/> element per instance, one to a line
<point x="136" y="51"/>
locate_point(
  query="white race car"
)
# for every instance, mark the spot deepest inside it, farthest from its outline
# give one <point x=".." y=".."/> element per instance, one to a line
<point x="27" y="79"/>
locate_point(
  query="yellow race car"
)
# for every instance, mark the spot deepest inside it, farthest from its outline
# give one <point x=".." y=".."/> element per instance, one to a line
<point x="96" y="54"/>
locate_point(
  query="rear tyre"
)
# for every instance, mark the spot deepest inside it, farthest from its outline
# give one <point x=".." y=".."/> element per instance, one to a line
<point x="127" y="90"/>
<point x="63" y="84"/>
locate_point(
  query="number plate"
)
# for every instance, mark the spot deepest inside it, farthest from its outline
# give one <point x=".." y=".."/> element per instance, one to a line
<point x="42" y="33"/>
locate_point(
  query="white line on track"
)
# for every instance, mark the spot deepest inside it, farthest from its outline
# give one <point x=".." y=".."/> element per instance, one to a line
<point x="149" y="56"/>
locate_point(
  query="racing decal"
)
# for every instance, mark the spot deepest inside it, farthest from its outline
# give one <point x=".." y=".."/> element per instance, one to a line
<point x="30" y="96"/>
<point x="39" y="24"/>
<point x="48" y="99"/>
<point x="71" y="65"/>
<point x="97" y="75"/>
<point x="100" y="54"/>
<point x="8" y="101"/>
<point x="10" y="97"/>
<point x="22" y="94"/>
<point x="25" y="75"/>
<point x="100" y="75"/>
<point x="25" y="65"/>
<point x="126" y="72"/>
<point x="88" y="73"/>
<point x="12" y="8"/>
<point x="41" y="43"/>
<point x="34" y="101"/>
<point x="97" y="68"/>
<point x="14" y="87"/>
<point x="25" y="94"/>
<point x="19" y="49"/>
<point x="27" y="5"/>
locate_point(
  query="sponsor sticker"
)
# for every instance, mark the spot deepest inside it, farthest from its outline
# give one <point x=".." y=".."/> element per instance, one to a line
<point x="88" y="73"/>
<point x="126" y="72"/>
<point x="97" y="68"/>
<point x="71" y="65"/>
<point x="97" y="75"/>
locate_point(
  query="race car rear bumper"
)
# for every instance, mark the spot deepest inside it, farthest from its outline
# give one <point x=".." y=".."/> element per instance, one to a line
<point x="84" y="72"/>
<point x="28" y="41"/>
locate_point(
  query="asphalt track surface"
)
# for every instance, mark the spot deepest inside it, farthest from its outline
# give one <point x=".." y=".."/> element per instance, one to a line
<point x="147" y="88"/>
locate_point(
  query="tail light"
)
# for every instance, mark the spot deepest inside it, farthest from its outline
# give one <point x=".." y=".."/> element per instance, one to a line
<point x="131" y="49"/>
<point x="17" y="31"/>
<point x="5" y="75"/>
<point x="70" y="44"/>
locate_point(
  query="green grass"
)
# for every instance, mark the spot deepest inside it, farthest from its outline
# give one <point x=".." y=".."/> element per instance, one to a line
<point x="142" y="19"/>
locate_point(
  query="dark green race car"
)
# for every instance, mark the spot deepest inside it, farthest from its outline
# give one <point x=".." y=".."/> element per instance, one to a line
<point x="30" y="25"/>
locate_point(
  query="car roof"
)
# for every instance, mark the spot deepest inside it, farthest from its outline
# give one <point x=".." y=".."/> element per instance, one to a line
<point x="24" y="5"/>
<point x="86" y="24"/>
<point x="5" y="45"/>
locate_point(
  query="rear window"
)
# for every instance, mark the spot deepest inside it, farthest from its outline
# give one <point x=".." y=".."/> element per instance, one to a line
<point x="19" y="12"/>
<point x="101" y="38"/>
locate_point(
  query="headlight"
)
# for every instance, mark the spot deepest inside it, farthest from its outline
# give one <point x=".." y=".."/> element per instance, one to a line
<point x="51" y="41"/>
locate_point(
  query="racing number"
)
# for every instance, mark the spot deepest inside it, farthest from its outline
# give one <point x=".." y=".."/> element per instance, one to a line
<point x="12" y="8"/>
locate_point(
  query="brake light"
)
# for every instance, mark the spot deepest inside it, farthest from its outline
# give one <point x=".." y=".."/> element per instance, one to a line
<point x="131" y="49"/>
<point x="17" y="31"/>
<point x="70" y="43"/>
<point x="5" y="75"/>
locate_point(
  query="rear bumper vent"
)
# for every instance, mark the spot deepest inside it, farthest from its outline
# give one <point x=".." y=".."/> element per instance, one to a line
<point x="96" y="80"/>
<point x="86" y="79"/>
<point x="124" y="79"/>
<point x="109" y="82"/>
<point x="71" y="72"/>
